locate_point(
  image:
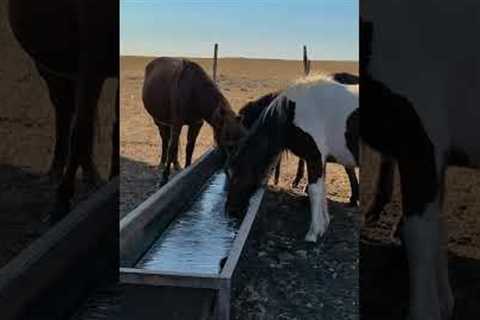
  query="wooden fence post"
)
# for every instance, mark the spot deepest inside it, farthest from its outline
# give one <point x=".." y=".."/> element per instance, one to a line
<point x="306" y="62"/>
<point x="215" y="54"/>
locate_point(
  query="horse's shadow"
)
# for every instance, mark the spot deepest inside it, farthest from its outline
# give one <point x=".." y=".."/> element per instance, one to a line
<point x="25" y="199"/>
<point x="384" y="283"/>
<point x="138" y="181"/>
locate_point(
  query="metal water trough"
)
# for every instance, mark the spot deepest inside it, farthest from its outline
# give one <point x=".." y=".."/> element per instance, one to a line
<point x="142" y="226"/>
<point x="50" y="277"/>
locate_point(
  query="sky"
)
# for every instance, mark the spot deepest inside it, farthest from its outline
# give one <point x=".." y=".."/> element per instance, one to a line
<point x="242" y="28"/>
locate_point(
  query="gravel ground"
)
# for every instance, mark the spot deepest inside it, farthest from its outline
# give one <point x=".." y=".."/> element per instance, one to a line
<point x="383" y="268"/>
<point x="282" y="277"/>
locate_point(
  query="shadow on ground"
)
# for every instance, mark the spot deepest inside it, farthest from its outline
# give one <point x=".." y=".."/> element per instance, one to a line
<point x="139" y="180"/>
<point x="384" y="283"/>
<point x="26" y="199"/>
<point x="283" y="277"/>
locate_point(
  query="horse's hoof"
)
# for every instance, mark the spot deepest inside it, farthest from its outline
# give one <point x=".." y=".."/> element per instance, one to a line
<point x="177" y="166"/>
<point x="163" y="181"/>
<point x="311" y="237"/>
<point x="92" y="180"/>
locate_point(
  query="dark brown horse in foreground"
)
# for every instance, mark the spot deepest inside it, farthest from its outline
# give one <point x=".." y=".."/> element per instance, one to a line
<point x="252" y="111"/>
<point x="74" y="45"/>
<point x="178" y="92"/>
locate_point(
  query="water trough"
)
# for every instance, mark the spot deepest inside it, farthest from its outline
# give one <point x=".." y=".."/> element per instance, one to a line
<point x="50" y="277"/>
<point x="180" y="236"/>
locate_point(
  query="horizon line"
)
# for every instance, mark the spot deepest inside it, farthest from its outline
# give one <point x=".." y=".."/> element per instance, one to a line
<point x="235" y="57"/>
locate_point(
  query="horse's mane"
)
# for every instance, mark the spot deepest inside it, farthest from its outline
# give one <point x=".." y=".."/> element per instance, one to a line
<point x="314" y="79"/>
<point x="340" y="77"/>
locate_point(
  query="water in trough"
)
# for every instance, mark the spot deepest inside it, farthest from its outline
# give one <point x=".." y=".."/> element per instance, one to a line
<point x="199" y="238"/>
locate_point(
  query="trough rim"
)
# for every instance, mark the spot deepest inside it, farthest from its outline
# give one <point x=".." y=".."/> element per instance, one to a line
<point x="130" y="274"/>
<point x="39" y="247"/>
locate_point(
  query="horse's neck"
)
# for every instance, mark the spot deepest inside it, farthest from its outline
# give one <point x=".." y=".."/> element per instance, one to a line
<point x="212" y="109"/>
<point x="270" y="136"/>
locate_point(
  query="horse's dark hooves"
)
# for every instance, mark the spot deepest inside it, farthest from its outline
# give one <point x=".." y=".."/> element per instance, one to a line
<point x="92" y="180"/>
<point x="163" y="181"/>
<point x="177" y="166"/>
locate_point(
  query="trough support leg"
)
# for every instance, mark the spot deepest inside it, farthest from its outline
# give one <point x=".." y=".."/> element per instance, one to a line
<point x="223" y="302"/>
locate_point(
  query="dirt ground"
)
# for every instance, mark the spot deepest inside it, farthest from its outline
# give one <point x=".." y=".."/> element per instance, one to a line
<point x="383" y="269"/>
<point x="27" y="141"/>
<point x="281" y="277"/>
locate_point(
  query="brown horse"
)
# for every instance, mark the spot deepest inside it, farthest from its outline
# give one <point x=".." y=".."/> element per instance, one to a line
<point x="74" y="45"/>
<point x="178" y="92"/>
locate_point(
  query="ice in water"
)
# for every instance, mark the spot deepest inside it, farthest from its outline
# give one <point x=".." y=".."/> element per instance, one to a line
<point x="199" y="238"/>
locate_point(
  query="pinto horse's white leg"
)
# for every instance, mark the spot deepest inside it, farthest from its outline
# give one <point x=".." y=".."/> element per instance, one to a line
<point x="430" y="293"/>
<point x="421" y="237"/>
<point x="318" y="203"/>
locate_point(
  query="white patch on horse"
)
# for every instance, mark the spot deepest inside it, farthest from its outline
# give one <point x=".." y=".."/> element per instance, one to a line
<point x="415" y="67"/>
<point x="322" y="108"/>
<point x="318" y="209"/>
<point x="430" y="293"/>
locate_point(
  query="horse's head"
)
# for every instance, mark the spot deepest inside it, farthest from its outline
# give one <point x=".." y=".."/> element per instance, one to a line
<point x="245" y="172"/>
<point x="229" y="130"/>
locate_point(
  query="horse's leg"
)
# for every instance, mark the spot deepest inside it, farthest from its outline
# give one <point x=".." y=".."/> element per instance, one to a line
<point x="384" y="190"/>
<point x="352" y="178"/>
<point x="87" y="94"/>
<point x="317" y="196"/>
<point x="430" y="293"/>
<point x="300" y="173"/>
<point x="277" y="171"/>
<point x="62" y="95"/>
<point x="115" y="158"/>
<point x="164" y="131"/>
<point x="172" y="151"/>
<point x="193" y="131"/>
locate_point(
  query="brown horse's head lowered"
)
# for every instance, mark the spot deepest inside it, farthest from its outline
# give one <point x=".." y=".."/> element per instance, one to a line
<point x="227" y="126"/>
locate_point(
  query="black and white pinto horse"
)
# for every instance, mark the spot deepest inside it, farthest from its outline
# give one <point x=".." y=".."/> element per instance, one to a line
<point x="420" y="82"/>
<point x="316" y="118"/>
<point x="251" y="112"/>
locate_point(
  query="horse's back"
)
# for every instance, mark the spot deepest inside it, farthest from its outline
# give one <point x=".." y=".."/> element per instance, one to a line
<point x="323" y="110"/>
<point x="253" y="109"/>
<point x="50" y="33"/>
<point x="171" y="89"/>
<point x="440" y="82"/>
